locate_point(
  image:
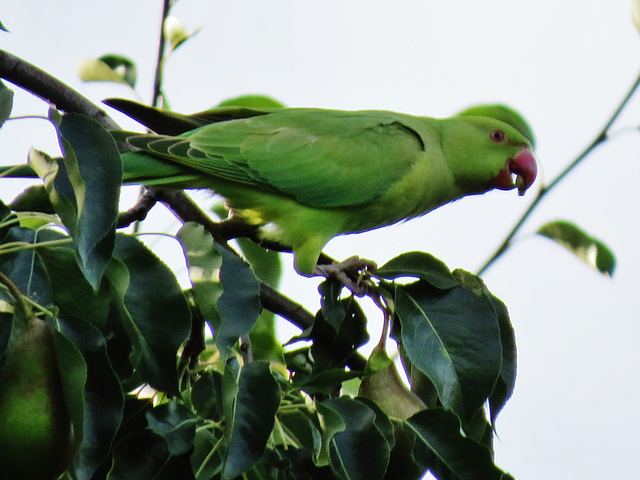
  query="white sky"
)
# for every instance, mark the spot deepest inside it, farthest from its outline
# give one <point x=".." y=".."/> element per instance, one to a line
<point x="564" y="64"/>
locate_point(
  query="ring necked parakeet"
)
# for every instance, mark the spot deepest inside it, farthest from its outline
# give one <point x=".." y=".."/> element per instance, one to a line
<point x="304" y="175"/>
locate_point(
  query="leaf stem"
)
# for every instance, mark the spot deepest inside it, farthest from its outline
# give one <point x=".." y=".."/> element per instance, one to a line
<point x="545" y="189"/>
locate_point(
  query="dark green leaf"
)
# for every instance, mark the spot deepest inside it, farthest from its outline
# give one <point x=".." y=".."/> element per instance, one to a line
<point x="206" y="395"/>
<point x="299" y="426"/>
<point x="452" y="336"/>
<point x="156" y="314"/>
<point x="420" y="265"/>
<point x="74" y="375"/>
<point x="96" y="191"/>
<point x="230" y="377"/>
<point x="324" y="381"/>
<point x="104" y="399"/>
<point x="330" y="350"/>
<point x="72" y="294"/>
<point x="128" y="452"/>
<point x="359" y="450"/>
<point x="33" y="199"/>
<point x="256" y="404"/>
<point x="382" y="421"/>
<point x="24" y="267"/>
<point x="6" y="323"/>
<point x="239" y="304"/>
<point x="589" y="249"/>
<point x="206" y="460"/>
<point x="6" y="100"/>
<point x="333" y="310"/>
<point x="267" y="266"/>
<point x="203" y="262"/>
<point x="441" y="448"/>
<point x="507" y="380"/>
<point x="175" y="423"/>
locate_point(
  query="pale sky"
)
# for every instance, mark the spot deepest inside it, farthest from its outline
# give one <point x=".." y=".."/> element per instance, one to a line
<point x="564" y="64"/>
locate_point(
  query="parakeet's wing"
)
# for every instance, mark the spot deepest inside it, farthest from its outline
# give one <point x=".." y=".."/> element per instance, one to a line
<point x="322" y="158"/>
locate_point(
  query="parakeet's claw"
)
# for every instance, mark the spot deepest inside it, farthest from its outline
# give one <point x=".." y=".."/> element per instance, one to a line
<point x="353" y="273"/>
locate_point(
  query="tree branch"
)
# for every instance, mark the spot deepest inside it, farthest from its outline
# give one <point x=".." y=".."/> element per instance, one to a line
<point x="50" y="89"/>
<point x="545" y="189"/>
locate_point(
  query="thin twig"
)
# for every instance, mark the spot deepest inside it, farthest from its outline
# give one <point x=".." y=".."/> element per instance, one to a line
<point x="139" y="211"/>
<point x="15" y="292"/>
<point x="157" y="81"/>
<point x="545" y="189"/>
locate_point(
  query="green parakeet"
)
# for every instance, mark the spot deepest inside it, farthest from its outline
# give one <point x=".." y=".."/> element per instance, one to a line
<point x="304" y="175"/>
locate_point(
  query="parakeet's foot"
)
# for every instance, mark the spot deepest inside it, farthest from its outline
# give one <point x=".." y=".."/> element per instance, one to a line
<point x="353" y="273"/>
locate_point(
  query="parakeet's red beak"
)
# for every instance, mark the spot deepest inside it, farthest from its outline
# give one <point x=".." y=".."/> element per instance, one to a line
<point x="520" y="172"/>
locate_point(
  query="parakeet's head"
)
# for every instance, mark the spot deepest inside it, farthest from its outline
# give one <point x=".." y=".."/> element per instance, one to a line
<point x="505" y="114"/>
<point x="484" y="153"/>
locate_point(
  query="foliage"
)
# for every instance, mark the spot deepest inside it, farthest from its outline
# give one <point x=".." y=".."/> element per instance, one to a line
<point x="148" y="394"/>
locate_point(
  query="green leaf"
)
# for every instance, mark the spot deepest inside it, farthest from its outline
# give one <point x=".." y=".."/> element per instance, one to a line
<point x="206" y="395"/>
<point x="24" y="267"/>
<point x="57" y="185"/>
<point x="507" y="380"/>
<point x="33" y="199"/>
<point x="239" y="305"/>
<point x="231" y="305"/>
<point x="128" y="452"/>
<point x="267" y="265"/>
<point x="253" y="419"/>
<point x="156" y="315"/>
<point x="360" y="450"/>
<point x="206" y="460"/>
<point x="331" y="349"/>
<point x="73" y="376"/>
<point x="589" y="249"/>
<point x="104" y="399"/>
<point x="333" y="310"/>
<point x="108" y="68"/>
<point x="175" y="423"/>
<point x="96" y="191"/>
<point x="6" y="100"/>
<point x="441" y="448"/>
<point x="72" y="294"/>
<point x="421" y="265"/>
<point x="3" y="28"/>
<point x="453" y="337"/>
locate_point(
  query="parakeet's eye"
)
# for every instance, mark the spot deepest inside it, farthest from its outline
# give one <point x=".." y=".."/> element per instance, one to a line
<point x="497" y="136"/>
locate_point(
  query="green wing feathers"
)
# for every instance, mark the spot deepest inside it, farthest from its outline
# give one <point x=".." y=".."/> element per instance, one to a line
<point x="322" y="158"/>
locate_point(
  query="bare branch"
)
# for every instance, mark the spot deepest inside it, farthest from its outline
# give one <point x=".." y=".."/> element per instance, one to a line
<point x="50" y="89"/>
